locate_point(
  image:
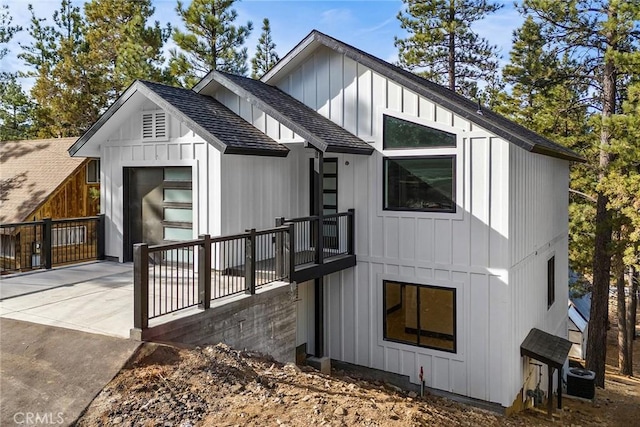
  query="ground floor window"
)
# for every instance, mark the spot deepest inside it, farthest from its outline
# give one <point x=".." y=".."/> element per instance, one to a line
<point x="420" y="315"/>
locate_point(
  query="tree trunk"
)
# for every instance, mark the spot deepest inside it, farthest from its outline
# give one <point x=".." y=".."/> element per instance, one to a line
<point x="452" y="47"/>
<point x="597" y="345"/>
<point x="621" y="311"/>
<point x="633" y="305"/>
<point x="631" y="325"/>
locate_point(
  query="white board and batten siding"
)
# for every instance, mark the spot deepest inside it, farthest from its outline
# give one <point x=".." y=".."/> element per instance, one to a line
<point x="468" y="250"/>
<point x="257" y="189"/>
<point x="124" y="147"/>
<point x="539" y="226"/>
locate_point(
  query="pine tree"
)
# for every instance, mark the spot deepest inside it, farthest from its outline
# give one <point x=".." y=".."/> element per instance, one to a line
<point x="211" y="41"/>
<point x="622" y="187"/>
<point x="41" y="54"/>
<point x="15" y="111"/>
<point x="122" y="47"/>
<point x="66" y="91"/>
<point x="266" y="55"/>
<point x="7" y="31"/>
<point x="600" y="36"/>
<point x="14" y="103"/>
<point x="443" y="47"/>
<point x="544" y="99"/>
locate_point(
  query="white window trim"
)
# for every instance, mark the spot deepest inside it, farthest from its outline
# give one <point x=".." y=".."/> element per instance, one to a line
<point x="155" y="133"/>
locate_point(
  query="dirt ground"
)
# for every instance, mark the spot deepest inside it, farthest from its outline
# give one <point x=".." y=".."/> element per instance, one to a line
<point x="220" y="386"/>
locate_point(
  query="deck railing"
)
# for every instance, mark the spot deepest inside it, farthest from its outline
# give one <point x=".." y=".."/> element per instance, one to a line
<point x="172" y="277"/>
<point x="175" y="276"/>
<point x="335" y="235"/>
<point x="49" y="242"/>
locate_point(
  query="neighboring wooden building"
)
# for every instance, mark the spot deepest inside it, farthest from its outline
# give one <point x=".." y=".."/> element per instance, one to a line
<point x="39" y="179"/>
<point x="461" y="215"/>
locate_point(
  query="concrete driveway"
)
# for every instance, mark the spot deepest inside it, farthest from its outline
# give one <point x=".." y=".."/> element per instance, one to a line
<point x="63" y="336"/>
<point x="94" y="297"/>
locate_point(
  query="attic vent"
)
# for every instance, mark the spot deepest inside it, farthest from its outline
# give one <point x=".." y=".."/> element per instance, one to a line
<point x="154" y="126"/>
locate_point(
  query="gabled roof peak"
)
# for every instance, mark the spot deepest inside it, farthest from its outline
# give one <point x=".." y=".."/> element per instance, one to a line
<point x="458" y="104"/>
<point x="211" y="120"/>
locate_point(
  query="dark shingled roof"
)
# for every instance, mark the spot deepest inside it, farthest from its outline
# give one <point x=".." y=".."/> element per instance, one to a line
<point x="493" y="122"/>
<point x="214" y="122"/>
<point x="549" y="349"/>
<point x="316" y="129"/>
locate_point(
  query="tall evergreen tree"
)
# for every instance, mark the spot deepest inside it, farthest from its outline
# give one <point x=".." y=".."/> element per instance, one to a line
<point x="544" y="99"/>
<point x="210" y="42"/>
<point x="14" y="103"/>
<point x="7" y="31"/>
<point x="441" y="44"/>
<point x="266" y="55"/>
<point x="602" y="36"/>
<point x="122" y="47"/>
<point x="41" y="54"/>
<point x="66" y="90"/>
<point x="15" y="111"/>
<point x="622" y="187"/>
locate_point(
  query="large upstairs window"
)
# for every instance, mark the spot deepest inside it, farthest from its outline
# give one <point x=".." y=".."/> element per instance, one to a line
<point x="425" y="181"/>
<point x="420" y="184"/>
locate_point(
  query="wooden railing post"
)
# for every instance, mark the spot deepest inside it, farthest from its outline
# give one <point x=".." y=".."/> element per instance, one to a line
<point x="46" y="251"/>
<point x="140" y="286"/>
<point x="351" y="231"/>
<point x="204" y="272"/>
<point x="101" y="238"/>
<point x="291" y="248"/>
<point x="280" y="260"/>
<point x="250" y="262"/>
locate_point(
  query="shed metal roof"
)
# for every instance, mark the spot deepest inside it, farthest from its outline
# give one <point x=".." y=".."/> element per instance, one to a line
<point x="316" y="129"/>
<point x="214" y="122"/>
<point x="583" y="305"/>
<point x="493" y="122"/>
<point x="577" y="319"/>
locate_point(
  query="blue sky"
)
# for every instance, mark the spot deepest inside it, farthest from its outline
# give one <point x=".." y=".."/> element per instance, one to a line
<point x="368" y="25"/>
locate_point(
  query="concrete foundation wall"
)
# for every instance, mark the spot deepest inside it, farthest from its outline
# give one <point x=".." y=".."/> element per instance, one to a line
<point x="265" y="322"/>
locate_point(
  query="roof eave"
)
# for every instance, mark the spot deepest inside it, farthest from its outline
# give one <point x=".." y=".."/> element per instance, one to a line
<point x="538" y="149"/>
<point x="257" y="152"/>
<point x="349" y="150"/>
